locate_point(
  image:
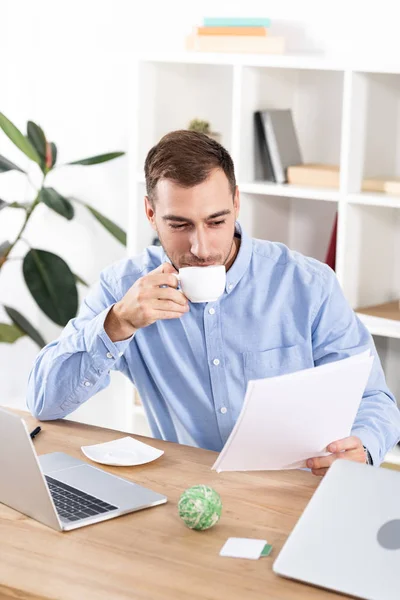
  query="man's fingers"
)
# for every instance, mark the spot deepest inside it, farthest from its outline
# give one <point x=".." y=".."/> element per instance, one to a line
<point x="348" y="443"/>
<point x="173" y="295"/>
<point x="161" y="315"/>
<point x="324" y="462"/>
<point x="165" y="268"/>
<point x="319" y="472"/>
<point x="358" y="455"/>
<point x="169" y="306"/>
<point x="321" y="462"/>
<point x="158" y="279"/>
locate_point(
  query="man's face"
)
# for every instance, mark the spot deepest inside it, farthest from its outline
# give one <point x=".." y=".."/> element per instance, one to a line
<point x="196" y="225"/>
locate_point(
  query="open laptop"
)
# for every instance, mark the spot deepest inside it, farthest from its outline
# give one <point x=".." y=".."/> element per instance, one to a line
<point x="57" y="489"/>
<point x="348" y="537"/>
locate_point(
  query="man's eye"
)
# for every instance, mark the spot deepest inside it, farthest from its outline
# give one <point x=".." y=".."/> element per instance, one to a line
<point x="216" y="223"/>
<point x="177" y="226"/>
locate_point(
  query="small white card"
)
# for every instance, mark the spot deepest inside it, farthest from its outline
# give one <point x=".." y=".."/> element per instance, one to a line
<point x="243" y="548"/>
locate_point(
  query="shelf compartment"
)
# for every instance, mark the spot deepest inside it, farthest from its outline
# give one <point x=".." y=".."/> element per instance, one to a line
<point x="172" y="94"/>
<point x="313" y="97"/>
<point x="372" y="251"/>
<point x="301" y="224"/>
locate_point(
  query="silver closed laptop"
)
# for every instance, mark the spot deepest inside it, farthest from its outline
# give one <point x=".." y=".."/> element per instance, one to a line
<point x="348" y="537"/>
<point x="57" y="489"/>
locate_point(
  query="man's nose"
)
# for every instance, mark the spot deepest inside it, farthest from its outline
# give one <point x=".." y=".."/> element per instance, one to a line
<point x="199" y="245"/>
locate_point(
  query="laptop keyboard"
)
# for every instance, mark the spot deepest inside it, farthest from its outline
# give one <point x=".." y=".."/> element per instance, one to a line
<point x="72" y="504"/>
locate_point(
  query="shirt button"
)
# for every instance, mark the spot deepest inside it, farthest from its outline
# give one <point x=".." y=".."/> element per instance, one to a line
<point x="224" y="410"/>
<point x="120" y="354"/>
<point x="212" y="311"/>
<point x="109" y="355"/>
<point x="87" y="384"/>
<point x="230" y="286"/>
<point x="216" y="362"/>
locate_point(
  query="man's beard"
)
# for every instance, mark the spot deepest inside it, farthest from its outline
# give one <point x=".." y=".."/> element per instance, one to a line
<point x="195" y="262"/>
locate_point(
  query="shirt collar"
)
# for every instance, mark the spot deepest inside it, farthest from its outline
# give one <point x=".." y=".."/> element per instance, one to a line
<point x="242" y="260"/>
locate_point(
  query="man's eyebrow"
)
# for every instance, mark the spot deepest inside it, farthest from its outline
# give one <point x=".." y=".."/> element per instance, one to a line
<point x="220" y="213"/>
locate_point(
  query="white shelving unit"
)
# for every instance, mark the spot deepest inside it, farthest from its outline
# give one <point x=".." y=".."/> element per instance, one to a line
<point x="344" y="115"/>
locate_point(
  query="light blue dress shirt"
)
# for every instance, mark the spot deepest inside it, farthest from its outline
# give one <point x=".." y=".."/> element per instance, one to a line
<point x="280" y="312"/>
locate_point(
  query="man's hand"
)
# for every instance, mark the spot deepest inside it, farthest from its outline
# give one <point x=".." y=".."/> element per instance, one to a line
<point x="350" y="448"/>
<point x="151" y="298"/>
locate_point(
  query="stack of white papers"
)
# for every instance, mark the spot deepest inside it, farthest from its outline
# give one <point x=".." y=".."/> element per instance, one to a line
<point x="287" y="419"/>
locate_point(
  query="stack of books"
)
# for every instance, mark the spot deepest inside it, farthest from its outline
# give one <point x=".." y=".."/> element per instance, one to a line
<point x="237" y="35"/>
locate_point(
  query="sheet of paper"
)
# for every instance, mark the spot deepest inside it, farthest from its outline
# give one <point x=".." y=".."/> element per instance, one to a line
<point x="243" y="548"/>
<point x="287" y="419"/>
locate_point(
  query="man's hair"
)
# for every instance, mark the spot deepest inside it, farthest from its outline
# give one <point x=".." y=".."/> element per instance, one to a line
<point x="187" y="158"/>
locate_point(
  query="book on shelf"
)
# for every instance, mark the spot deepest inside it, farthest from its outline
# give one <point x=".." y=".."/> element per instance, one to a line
<point x="392" y="186"/>
<point x="322" y="175"/>
<point x="314" y="175"/>
<point x="255" y="31"/>
<point x="384" y="185"/>
<point x="373" y="184"/>
<point x="388" y="310"/>
<point x="251" y="44"/>
<point x="281" y="141"/>
<point x="236" y="22"/>
<point x="262" y="166"/>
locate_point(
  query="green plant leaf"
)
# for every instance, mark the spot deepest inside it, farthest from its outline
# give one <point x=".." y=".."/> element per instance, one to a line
<point x="56" y="202"/>
<point x="53" y="154"/>
<point x="7" y="165"/>
<point x="21" y="322"/>
<point x="37" y="138"/>
<point x="52" y="285"/>
<point x="10" y="333"/>
<point x="80" y="280"/>
<point x="18" y="139"/>
<point x="95" y="160"/>
<point x="111" y="227"/>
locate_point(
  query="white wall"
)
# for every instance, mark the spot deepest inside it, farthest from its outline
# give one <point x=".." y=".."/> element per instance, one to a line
<point x="67" y="65"/>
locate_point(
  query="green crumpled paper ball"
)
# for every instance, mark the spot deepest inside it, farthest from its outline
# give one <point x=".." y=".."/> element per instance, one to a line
<point x="200" y="507"/>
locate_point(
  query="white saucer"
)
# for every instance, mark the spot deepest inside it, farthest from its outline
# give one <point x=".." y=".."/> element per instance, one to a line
<point x="124" y="452"/>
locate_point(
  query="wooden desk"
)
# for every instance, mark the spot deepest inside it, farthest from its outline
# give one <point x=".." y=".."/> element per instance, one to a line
<point x="150" y="554"/>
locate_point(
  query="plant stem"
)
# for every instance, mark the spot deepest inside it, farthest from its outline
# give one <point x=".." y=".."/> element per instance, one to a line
<point x="21" y="231"/>
<point x="28" y="215"/>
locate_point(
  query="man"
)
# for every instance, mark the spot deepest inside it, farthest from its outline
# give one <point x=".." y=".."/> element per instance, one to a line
<point x="280" y="312"/>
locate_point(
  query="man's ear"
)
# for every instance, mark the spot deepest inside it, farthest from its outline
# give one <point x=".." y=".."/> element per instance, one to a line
<point x="150" y="212"/>
<point x="236" y="202"/>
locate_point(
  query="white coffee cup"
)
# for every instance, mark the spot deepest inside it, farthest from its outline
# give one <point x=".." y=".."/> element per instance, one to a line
<point x="202" y="284"/>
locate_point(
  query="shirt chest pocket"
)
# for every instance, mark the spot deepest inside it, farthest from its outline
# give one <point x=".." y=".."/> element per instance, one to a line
<point x="278" y="361"/>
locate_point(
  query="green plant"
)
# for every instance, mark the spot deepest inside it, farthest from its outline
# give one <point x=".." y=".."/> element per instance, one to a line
<point x="200" y="126"/>
<point x="47" y="276"/>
